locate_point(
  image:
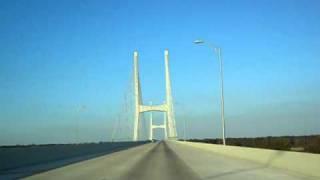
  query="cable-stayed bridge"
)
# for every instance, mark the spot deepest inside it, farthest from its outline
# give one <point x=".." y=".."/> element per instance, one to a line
<point x="173" y="159"/>
<point x="136" y="109"/>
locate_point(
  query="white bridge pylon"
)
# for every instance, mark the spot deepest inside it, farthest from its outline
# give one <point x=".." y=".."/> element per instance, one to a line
<point x="166" y="107"/>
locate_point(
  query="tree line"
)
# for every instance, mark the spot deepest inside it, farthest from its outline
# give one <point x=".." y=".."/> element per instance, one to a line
<point x="310" y="143"/>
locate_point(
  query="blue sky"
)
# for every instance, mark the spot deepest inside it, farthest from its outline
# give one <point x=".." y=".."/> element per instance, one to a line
<point x="66" y="65"/>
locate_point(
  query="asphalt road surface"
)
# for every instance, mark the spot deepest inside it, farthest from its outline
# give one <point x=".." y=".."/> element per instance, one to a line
<point x="168" y="160"/>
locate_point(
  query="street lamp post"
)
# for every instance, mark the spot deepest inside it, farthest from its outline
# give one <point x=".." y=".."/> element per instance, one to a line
<point x="184" y="131"/>
<point x="217" y="50"/>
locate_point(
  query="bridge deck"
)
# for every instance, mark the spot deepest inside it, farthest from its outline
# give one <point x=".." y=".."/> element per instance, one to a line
<point x="167" y="160"/>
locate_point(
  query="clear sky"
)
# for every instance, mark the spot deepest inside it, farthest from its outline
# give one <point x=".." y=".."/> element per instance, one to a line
<point x="66" y="66"/>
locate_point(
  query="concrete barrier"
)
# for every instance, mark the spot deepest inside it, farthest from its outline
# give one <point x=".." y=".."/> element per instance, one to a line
<point x="298" y="162"/>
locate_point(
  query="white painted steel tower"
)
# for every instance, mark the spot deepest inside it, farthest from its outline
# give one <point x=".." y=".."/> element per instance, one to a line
<point x="167" y="107"/>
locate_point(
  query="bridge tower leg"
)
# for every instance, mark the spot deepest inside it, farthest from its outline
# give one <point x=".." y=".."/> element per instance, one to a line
<point x="150" y="127"/>
<point x="165" y="124"/>
<point x="170" y="113"/>
<point x="136" y="95"/>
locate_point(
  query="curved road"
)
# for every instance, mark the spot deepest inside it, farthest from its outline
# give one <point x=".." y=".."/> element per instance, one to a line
<point x="167" y="160"/>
